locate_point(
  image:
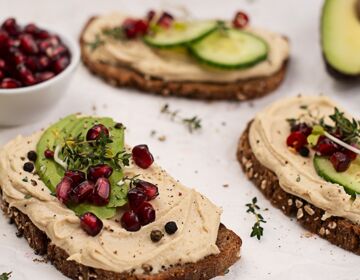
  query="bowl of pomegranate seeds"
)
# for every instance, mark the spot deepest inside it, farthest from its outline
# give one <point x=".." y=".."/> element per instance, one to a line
<point x="35" y="69"/>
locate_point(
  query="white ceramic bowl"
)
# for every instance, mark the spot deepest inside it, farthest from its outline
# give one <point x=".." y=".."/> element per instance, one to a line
<point x="28" y="104"/>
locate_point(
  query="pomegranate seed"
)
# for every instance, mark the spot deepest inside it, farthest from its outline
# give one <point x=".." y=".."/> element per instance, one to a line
<point x="44" y="45"/>
<point x="141" y="27"/>
<point x="82" y="192"/>
<point x="18" y="57"/>
<point x="146" y="213"/>
<point x="130" y="221"/>
<point x="340" y="161"/>
<point x="44" y="76"/>
<point x="97" y="171"/>
<point x="32" y="29"/>
<point x="10" y="83"/>
<point x="349" y="153"/>
<point x="1" y="75"/>
<point x="76" y="176"/>
<point x="150" y="15"/>
<point x="303" y="128"/>
<point x="149" y="189"/>
<point x="326" y="147"/>
<point x="55" y="52"/>
<point x="2" y="64"/>
<point x="101" y="194"/>
<point x="60" y="64"/>
<point x="49" y="154"/>
<point x="28" y="45"/>
<point x="44" y="62"/>
<point x="32" y="63"/>
<point x="13" y="43"/>
<point x="63" y="190"/>
<point x="4" y="37"/>
<point x="296" y="140"/>
<point x="136" y="197"/>
<point x="142" y="156"/>
<point x="95" y="132"/>
<point x="129" y="28"/>
<point x="240" y="20"/>
<point x="165" y="20"/>
<point x="11" y="26"/>
<point x="42" y="34"/>
<point x="26" y="76"/>
<point x="91" y="224"/>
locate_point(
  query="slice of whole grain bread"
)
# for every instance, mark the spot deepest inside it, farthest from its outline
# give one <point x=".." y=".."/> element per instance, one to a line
<point x="124" y="76"/>
<point x="337" y="230"/>
<point x="214" y="265"/>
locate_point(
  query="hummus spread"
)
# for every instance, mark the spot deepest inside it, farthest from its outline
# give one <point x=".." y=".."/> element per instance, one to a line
<point x="177" y="65"/>
<point x="114" y="249"/>
<point x="297" y="174"/>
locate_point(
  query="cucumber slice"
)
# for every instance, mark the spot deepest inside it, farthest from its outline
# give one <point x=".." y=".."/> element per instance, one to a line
<point x="350" y="179"/>
<point x="230" y="48"/>
<point x="180" y="33"/>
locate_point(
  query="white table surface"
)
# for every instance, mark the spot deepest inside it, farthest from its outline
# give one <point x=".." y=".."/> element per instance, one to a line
<point x="204" y="160"/>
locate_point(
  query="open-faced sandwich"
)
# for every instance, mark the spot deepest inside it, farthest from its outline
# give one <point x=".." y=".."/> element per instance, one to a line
<point x="100" y="210"/>
<point x="303" y="155"/>
<point x="205" y="59"/>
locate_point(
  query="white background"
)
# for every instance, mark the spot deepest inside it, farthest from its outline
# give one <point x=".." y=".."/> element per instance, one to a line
<point x="204" y="160"/>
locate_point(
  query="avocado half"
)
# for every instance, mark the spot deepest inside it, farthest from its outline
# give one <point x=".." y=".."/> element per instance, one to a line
<point x="340" y="38"/>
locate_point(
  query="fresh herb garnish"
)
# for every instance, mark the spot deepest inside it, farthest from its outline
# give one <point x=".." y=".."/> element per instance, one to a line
<point x="116" y="33"/>
<point x="27" y="196"/>
<point x="192" y="124"/>
<point x="25" y="179"/>
<point x="5" y="275"/>
<point x="257" y="229"/>
<point x="96" y="43"/>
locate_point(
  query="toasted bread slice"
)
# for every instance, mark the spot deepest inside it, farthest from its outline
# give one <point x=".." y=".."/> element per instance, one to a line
<point x="214" y="265"/>
<point x="337" y="230"/>
<point x="124" y="76"/>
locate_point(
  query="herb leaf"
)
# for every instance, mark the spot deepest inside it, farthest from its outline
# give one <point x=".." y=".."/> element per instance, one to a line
<point x="192" y="124"/>
<point x="5" y="275"/>
<point x="348" y="129"/>
<point x="257" y="229"/>
<point x="96" y="43"/>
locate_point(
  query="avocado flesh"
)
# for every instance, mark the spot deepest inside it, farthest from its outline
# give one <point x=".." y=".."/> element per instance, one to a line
<point x="350" y="179"/>
<point x="51" y="173"/>
<point x="340" y="35"/>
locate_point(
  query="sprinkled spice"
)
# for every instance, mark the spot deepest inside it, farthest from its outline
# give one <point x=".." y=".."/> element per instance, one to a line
<point x="156" y="235"/>
<point x="119" y="125"/>
<point x="32" y="156"/>
<point x="304" y="151"/>
<point x="28" y="166"/>
<point x="171" y="227"/>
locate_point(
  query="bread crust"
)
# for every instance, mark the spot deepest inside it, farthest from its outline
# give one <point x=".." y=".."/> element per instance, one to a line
<point x="125" y="76"/>
<point x="214" y="265"/>
<point x="339" y="231"/>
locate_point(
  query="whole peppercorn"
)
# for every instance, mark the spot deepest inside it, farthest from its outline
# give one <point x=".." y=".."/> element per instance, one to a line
<point x="28" y="166"/>
<point x="304" y="151"/>
<point x="32" y="156"/>
<point x="171" y="227"/>
<point x="156" y="235"/>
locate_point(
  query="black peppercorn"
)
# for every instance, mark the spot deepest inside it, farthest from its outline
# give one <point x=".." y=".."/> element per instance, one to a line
<point x="156" y="235"/>
<point x="119" y="125"/>
<point x="32" y="156"/>
<point x="28" y="166"/>
<point x="304" y="151"/>
<point x="171" y="227"/>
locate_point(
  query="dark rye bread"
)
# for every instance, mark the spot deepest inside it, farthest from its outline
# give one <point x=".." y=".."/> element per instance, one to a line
<point x="227" y="241"/>
<point x="125" y="76"/>
<point x="337" y="230"/>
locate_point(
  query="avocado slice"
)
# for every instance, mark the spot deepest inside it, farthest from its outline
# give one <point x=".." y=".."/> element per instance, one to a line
<point x="350" y="179"/>
<point x="340" y="38"/>
<point x="51" y="173"/>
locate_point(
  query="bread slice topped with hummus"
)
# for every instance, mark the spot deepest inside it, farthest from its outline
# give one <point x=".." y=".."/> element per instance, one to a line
<point x="99" y="209"/>
<point x="303" y="155"/>
<point x="204" y="59"/>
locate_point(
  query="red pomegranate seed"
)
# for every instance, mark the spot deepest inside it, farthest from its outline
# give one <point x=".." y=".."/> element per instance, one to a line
<point x="129" y="28"/>
<point x="130" y="221"/>
<point x="49" y="154"/>
<point x="26" y="75"/>
<point x="91" y="224"/>
<point x="2" y="64"/>
<point x="97" y="171"/>
<point x="1" y="75"/>
<point x="44" y="76"/>
<point x="82" y="192"/>
<point x="141" y="27"/>
<point x="303" y="128"/>
<point x="136" y="197"/>
<point x="18" y="57"/>
<point x="13" y="43"/>
<point x="142" y="156"/>
<point x="150" y="15"/>
<point x="55" y="52"/>
<point x="146" y="213"/>
<point x="31" y="28"/>
<point x="149" y="189"/>
<point x="42" y="34"/>
<point x="240" y="20"/>
<point x="76" y="176"/>
<point x="28" y="45"/>
<point x="10" y="83"/>
<point x="44" y="62"/>
<point x="32" y="63"/>
<point x="296" y="140"/>
<point x="4" y="37"/>
<point x="326" y="147"/>
<point x="95" y="132"/>
<point x="63" y="190"/>
<point x="340" y="161"/>
<point x="11" y="26"/>
<point x="165" y="20"/>
<point x="60" y="64"/>
<point x="101" y="194"/>
<point x="350" y="154"/>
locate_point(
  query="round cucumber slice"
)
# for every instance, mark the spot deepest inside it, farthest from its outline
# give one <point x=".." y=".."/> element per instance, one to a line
<point x="230" y="48"/>
<point x="180" y="33"/>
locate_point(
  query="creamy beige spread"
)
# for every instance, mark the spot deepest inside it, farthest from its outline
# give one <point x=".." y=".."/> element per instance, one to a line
<point x="114" y="249"/>
<point x="178" y="65"/>
<point x="297" y="175"/>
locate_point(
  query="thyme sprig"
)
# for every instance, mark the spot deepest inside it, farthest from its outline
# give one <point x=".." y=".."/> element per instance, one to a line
<point x="5" y="275"/>
<point x="116" y="33"/>
<point x="96" y="43"/>
<point x="192" y="123"/>
<point x="79" y="153"/>
<point x="257" y="229"/>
